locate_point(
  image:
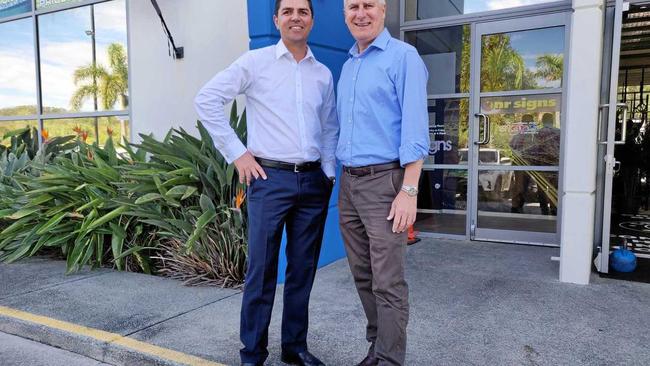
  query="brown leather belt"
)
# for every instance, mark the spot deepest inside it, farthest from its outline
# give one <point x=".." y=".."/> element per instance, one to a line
<point x="296" y="168"/>
<point x="371" y="169"/>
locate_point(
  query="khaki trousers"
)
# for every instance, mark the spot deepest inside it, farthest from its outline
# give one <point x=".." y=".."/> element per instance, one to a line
<point x="376" y="256"/>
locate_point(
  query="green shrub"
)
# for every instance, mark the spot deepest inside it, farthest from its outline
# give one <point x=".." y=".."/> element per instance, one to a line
<point x="174" y="206"/>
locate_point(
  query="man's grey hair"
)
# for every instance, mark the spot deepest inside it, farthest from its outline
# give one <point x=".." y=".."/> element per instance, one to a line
<point x="381" y="2"/>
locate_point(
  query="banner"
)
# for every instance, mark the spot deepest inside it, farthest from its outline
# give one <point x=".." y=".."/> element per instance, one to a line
<point x="13" y="7"/>
<point x="49" y="3"/>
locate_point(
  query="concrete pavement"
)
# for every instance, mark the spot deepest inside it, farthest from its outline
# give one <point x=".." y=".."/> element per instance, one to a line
<point x="471" y="304"/>
<point x="16" y="351"/>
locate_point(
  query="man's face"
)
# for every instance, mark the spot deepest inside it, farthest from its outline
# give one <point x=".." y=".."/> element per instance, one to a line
<point x="365" y="19"/>
<point x="294" y="20"/>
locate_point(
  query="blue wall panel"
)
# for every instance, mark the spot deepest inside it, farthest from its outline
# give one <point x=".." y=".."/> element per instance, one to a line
<point x="330" y="42"/>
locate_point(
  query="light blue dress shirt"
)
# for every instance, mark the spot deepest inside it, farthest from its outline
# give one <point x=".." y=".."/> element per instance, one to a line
<point x="382" y="105"/>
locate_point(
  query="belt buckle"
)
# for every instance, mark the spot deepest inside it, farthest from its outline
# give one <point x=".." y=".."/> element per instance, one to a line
<point x="295" y="168"/>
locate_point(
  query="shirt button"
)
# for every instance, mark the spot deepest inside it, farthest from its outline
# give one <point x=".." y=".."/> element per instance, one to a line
<point x="354" y="79"/>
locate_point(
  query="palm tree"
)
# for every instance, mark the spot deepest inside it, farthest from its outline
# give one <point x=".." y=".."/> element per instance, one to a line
<point x="502" y="67"/>
<point x="97" y="81"/>
<point x="550" y="67"/>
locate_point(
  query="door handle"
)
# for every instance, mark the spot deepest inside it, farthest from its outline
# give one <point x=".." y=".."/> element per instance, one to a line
<point x="622" y="106"/>
<point x="624" y="129"/>
<point x="600" y="122"/>
<point x="486" y="129"/>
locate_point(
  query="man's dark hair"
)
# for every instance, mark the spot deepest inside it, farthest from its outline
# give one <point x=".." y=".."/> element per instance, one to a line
<point x="278" y="3"/>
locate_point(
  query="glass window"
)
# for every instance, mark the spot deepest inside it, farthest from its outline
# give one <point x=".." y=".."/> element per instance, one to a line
<point x="110" y="29"/>
<point x="448" y="130"/>
<point x="17" y="68"/>
<point x="84" y="58"/>
<point x="518" y="200"/>
<point x="83" y="128"/>
<point x="524" y="130"/>
<point x="116" y="127"/>
<point x="14" y="7"/>
<point x="66" y="49"/>
<point x="446" y="52"/>
<point x="532" y="59"/>
<point x="9" y="126"/>
<point x="442" y="201"/>
<point x="426" y="9"/>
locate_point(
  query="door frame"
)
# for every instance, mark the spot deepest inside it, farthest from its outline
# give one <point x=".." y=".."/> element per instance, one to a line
<point x="505" y="26"/>
<point x="607" y="130"/>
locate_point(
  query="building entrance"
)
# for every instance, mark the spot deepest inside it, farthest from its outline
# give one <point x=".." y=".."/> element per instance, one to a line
<point x="625" y="137"/>
<point x="496" y="112"/>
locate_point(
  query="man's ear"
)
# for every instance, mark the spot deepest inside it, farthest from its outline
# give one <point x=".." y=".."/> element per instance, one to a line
<point x="275" y="21"/>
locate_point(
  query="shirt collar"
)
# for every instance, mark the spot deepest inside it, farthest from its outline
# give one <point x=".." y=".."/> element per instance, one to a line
<point x="381" y="42"/>
<point x="281" y="50"/>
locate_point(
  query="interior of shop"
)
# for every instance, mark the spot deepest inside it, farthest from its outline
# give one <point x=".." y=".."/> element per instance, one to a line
<point x="630" y="218"/>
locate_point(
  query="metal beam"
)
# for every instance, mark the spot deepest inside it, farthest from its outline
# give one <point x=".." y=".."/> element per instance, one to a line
<point x="178" y="51"/>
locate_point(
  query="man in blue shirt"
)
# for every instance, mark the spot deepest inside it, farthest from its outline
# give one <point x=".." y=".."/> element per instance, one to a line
<point x="382" y="109"/>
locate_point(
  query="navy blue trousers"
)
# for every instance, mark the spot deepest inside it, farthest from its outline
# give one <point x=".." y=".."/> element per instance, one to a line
<point x="298" y="201"/>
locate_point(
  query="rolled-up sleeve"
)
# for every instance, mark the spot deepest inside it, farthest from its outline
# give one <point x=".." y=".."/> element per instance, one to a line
<point x="411" y="86"/>
<point x="211" y="100"/>
<point x="330" y="131"/>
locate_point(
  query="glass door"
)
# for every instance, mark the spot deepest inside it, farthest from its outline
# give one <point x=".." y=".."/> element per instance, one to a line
<point x="624" y="143"/>
<point x="515" y="133"/>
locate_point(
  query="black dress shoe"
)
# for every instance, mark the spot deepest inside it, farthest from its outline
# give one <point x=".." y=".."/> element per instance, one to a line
<point x="252" y="364"/>
<point x="302" y="359"/>
<point x="370" y="360"/>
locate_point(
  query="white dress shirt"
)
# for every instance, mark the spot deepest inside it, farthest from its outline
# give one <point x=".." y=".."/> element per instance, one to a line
<point x="290" y="108"/>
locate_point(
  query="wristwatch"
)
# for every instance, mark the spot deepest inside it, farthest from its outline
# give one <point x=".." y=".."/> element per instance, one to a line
<point x="411" y="191"/>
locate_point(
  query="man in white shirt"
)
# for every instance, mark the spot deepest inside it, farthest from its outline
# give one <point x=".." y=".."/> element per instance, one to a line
<point x="289" y="166"/>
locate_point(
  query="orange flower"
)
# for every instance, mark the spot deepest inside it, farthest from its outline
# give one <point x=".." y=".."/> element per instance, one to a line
<point x="77" y="129"/>
<point x="239" y="198"/>
<point x="45" y="135"/>
<point x="109" y="130"/>
<point x="89" y="154"/>
<point x="84" y="135"/>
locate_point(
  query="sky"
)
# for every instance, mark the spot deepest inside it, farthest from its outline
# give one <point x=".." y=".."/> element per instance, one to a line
<point x="64" y="47"/>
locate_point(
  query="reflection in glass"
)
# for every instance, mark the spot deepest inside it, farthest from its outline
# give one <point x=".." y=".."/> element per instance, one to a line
<point x="442" y="201"/>
<point x="83" y="128"/>
<point x="75" y="74"/>
<point x="524" y="130"/>
<point x="17" y="68"/>
<point x="524" y="60"/>
<point x="448" y="130"/>
<point x="65" y="46"/>
<point x="446" y="53"/>
<point x="112" y="68"/>
<point x="9" y="126"/>
<point x="519" y="200"/>
<point x="426" y="9"/>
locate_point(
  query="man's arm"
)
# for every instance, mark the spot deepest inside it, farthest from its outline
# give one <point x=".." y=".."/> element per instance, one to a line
<point x="411" y="86"/>
<point x="330" y="132"/>
<point x="209" y="104"/>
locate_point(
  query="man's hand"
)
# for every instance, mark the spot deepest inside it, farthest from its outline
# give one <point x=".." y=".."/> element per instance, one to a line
<point x="403" y="212"/>
<point x="248" y="168"/>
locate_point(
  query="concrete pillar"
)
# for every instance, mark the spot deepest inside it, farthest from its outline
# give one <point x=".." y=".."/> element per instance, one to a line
<point x="580" y="145"/>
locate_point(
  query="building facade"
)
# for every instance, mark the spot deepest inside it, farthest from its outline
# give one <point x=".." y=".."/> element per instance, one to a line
<point x="538" y="108"/>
